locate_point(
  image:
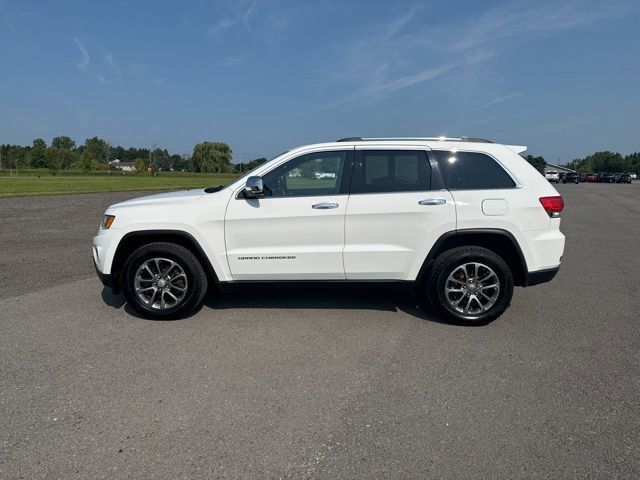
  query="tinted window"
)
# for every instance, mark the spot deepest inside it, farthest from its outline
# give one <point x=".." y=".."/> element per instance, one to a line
<point x="308" y="175"/>
<point x="380" y="171"/>
<point x="472" y="171"/>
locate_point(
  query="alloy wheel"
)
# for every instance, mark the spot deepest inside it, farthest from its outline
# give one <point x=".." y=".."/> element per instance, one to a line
<point x="472" y="289"/>
<point x="160" y="283"/>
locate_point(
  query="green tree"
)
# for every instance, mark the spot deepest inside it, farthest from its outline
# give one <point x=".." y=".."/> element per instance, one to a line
<point x="161" y="159"/>
<point x="605" y="162"/>
<point x="69" y="157"/>
<point x="245" y="167"/>
<point x="633" y="162"/>
<point x="212" y="157"/>
<point x="86" y="160"/>
<point x="19" y="156"/>
<point x="14" y="156"/>
<point x="99" y="149"/>
<point x="119" y="153"/>
<point x="54" y="159"/>
<point x="537" y="162"/>
<point x="63" y="142"/>
<point x="39" y="154"/>
<point x="140" y="164"/>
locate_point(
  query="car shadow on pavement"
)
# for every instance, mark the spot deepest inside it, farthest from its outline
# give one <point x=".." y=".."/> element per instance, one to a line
<point x="378" y="298"/>
<point x="111" y="299"/>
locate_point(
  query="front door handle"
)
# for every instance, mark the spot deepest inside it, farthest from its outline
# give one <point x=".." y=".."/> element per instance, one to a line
<point x="433" y="201"/>
<point x="325" y="205"/>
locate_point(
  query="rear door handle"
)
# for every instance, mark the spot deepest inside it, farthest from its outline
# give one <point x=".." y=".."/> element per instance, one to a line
<point x="433" y="201"/>
<point x="325" y="205"/>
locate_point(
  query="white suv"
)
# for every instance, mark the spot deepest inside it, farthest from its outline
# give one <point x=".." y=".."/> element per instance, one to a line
<point x="552" y="176"/>
<point x="462" y="220"/>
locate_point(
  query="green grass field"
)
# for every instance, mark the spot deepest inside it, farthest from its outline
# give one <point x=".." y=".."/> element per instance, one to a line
<point x="29" y="183"/>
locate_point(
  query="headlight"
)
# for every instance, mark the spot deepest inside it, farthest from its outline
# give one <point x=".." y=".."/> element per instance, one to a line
<point x="107" y="221"/>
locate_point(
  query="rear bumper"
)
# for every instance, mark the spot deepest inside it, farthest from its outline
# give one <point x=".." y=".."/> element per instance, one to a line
<point x="540" y="276"/>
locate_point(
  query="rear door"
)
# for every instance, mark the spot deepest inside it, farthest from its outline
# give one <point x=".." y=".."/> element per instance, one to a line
<point x="396" y="212"/>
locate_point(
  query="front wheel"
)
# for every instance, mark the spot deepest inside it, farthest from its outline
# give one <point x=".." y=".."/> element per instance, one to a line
<point x="164" y="280"/>
<point x="470" y="285"/>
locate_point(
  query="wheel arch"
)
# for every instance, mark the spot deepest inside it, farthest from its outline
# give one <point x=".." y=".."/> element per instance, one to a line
<point x="134" y="240"/>
<point x="499" y="241"/>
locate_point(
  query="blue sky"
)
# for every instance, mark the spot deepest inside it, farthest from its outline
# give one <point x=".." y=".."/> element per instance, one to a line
<point x="267" y="75"/>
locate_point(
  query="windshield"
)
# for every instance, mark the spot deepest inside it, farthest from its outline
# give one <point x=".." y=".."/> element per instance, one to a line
<point x="248" y="173"/>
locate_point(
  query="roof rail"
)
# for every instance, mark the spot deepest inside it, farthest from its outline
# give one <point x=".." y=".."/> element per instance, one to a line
<point x="451" y="139"/>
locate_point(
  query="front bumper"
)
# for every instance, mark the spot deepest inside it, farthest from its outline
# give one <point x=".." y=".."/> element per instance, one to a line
<point x="105" y="278"/>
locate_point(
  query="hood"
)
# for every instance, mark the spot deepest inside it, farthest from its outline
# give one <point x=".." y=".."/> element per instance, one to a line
<point x="182" y="196"/>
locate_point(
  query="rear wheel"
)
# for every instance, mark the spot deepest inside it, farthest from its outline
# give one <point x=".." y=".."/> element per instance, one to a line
<point x="164" y="280"/>
<point x="470" y="285"/>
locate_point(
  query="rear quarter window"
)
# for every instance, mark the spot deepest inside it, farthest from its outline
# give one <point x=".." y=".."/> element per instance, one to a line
<point x="471" y="171"/>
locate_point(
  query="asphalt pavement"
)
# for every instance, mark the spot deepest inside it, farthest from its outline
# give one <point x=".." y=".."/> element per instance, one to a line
<point x="318" y="383"/>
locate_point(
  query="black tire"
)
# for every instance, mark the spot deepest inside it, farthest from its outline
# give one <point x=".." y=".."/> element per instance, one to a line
<point x="446" y="263"/>
<point x="196" y="280"/>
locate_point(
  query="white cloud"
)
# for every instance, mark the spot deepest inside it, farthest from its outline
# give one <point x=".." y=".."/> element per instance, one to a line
<point x="414" y="49"/>
<point x="378" y="90"/>
<point x="113" y="65"/>
<point x="241" y="12"/>
<point x="221" y="25"/>
<point x="502" y="98"/>
<point x="84" y="56"/>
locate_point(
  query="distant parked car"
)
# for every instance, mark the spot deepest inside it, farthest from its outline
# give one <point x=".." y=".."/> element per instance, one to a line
<point x="591" y="177"/>
<point x="570" y="177"/>
<point x="605" y="178"/>
<point x="633" y="176"/>
<point x="624" y="178"/>
<point x="582" y="177"/>
<point x="552" y="176"/>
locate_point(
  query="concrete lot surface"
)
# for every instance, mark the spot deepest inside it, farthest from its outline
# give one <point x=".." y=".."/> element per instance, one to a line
<point x="318" y="383"/>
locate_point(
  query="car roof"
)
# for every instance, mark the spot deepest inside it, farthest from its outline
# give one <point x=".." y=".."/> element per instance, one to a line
<point x="445" y="143"/>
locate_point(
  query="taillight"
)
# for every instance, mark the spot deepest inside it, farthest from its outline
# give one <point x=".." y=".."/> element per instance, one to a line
<point x="552" y="205"/>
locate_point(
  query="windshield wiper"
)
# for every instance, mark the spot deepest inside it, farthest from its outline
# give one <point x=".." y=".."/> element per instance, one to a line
<point x="214" y="189"/>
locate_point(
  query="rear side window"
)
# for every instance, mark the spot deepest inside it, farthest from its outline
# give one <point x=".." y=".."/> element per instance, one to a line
<point x="384" y="171"/>
<point x="471" y="171"/>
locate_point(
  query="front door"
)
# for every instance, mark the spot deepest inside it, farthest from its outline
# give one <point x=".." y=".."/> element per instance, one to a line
<point x="296" y="231"/>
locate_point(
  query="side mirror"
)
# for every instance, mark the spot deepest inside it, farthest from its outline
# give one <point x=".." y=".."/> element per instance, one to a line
<point x="254" y="188"/>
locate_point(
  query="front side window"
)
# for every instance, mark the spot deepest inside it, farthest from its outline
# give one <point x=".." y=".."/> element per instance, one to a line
<point x="312" y="174"/>
<point x="386" y="171"/>
<point x="471" y="171"/>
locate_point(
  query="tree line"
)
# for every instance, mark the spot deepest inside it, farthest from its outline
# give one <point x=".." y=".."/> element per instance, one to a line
<point x="606" y="162"/>
<point x="210" y="157"/>
<point x="97" y="154"/>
